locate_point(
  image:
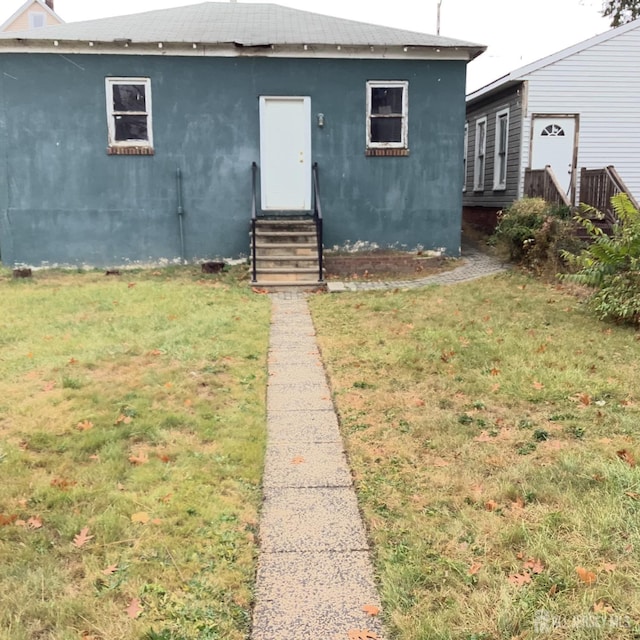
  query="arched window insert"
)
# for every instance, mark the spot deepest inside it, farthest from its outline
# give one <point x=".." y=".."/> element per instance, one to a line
<point x="552" y="130"/>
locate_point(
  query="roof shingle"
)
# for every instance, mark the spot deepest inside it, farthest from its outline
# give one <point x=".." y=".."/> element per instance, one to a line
<point x="245" y="24"/>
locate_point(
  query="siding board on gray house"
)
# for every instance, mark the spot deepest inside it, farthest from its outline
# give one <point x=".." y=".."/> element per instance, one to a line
<point x="488" y="197"/>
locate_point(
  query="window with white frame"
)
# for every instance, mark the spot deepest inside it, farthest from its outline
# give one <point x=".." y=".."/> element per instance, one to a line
<point x="479" y="160"/>
<point x="464" y="156"/>
<point x="501" y="150"/>
<point x="387" y="109"/>
<point x="129" y="115"/>
<point x="37" y="19"/>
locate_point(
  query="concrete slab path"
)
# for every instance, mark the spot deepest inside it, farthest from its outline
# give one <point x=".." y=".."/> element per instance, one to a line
<point x="314" y="571"/>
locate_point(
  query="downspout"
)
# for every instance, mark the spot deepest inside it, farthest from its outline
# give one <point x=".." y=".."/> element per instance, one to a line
<point x="180" y="213"/>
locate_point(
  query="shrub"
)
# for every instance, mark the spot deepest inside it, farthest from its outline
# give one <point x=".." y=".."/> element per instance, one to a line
<point x="535" y="234"/>
<point x="611" y="264"/>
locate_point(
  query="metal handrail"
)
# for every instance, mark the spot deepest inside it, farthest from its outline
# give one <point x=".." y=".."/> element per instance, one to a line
<point x="317" y="216"/>
<point x="254" y="218"/>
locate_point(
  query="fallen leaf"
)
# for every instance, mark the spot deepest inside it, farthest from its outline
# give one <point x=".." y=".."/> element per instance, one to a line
<point x="518" y="503"/>
<point x="494" y="371"/>
<point x="154" y="352"/>
<point x="588" y="577"/>
<point x="490" y="505"/>
<point x="7" y="519"/>
<point x="418" y="402"/>
<point x="166" y="498"/>
<point x="632" y="495"/>
<point x="537" y="385"/>
<point x="602" y="607"/>
<point x="541" y="349"/>
<point x="140" y="459"/>
<point x="297" y="460"/>
<point x="371" y="609"/>
<point x="141" y="517"/>
<point x="534" y="565"/>
<point x="62" y="483"/>
<point x="609" y="567"/>
<point x="361" y="634"/>
<point x="85" y="425"/>
<point x="553" y="590"/>
<point x="34" y="522"/>
<point x="627" y="457"/>
<point x="73" y="361"/>
<point x="519" y="579"/>
<point x="260" y="291"/>
<point x="134" y="609"/>
<point x="585" y="399"/>
<point x="156" y="521"/>
<point x="164" y="457"/>
<point x="474" y="568"/>
<point x="80" y="539"/>
<point x="495" y="388"/>
<point x="131" y="285"/>
<point x="446" y="356"/>
<point x="111" y="569"/>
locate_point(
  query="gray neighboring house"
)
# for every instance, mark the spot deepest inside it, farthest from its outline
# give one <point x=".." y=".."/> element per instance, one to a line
<point x="96" y="119"/>
<point x="572" y="111"/>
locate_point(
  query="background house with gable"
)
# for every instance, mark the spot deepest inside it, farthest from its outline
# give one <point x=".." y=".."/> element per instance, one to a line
<point x="33" y="14"/>
<point x="573" y="111"/>
<point x="117" y="107"/>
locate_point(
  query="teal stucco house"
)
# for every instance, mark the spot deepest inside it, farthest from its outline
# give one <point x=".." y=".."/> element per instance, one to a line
<point x="132" y="139"/>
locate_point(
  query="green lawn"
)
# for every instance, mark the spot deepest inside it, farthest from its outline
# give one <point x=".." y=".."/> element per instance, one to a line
<point x="131" y="407"/>
<point x="493" y="431"/>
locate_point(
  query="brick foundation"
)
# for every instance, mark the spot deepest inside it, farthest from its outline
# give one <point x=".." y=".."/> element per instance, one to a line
<point x="372" y="263"/>
<point x="481" y="218"/>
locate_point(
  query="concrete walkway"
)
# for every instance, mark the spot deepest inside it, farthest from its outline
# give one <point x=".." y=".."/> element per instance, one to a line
<point x="475" y="264"/>
<point x="314" y="571"/>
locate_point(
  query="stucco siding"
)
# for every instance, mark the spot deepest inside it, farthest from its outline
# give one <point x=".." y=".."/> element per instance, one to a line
<point x="64" y="200"/>
<point x="510" y="99"/>
<point x="602" y="85"/>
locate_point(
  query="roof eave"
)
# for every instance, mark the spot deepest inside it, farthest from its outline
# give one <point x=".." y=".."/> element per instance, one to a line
<point x="229" y="49"/>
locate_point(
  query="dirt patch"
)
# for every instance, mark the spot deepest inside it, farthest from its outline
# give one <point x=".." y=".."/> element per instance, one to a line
<point x="382" y="264"/>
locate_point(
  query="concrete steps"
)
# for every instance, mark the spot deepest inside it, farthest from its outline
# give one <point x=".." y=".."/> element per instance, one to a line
<point x="286" y="255"/>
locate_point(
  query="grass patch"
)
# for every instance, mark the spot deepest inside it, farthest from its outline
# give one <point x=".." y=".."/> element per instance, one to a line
<point x="492" y="428"/>
<point x="132" y="406"/>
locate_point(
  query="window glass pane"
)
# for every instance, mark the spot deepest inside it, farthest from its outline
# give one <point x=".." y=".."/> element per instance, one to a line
<point x="503" y="134"/>
<point x="386" y="129"/>
<point x="386" y="100"/>
<point x="129" y="97"/>
<point x="481" y="131"/>
<point x="131" y="128"/>
<point x="36" y="20"/>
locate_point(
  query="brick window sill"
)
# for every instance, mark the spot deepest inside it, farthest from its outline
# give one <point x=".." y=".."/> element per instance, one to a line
<point x="130" y="151"/>
<point x="386" y="153"/>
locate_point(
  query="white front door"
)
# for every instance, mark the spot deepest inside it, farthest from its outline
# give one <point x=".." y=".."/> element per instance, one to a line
<point x="553" y="144"/>
<point x="285" y="153"/>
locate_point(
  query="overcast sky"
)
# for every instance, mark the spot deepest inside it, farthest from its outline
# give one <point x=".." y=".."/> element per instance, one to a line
<point x="516" y="31"/>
